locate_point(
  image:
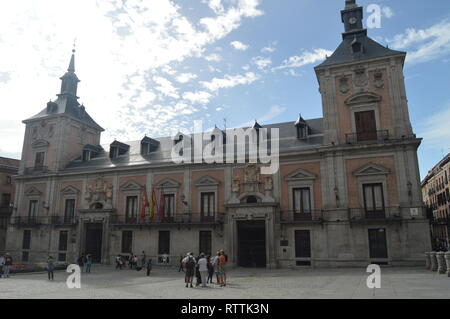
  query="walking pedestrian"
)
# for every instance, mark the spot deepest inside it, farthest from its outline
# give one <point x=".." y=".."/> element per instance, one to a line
<point x="217" y="267"/>
<point x="89" y="262"/>
<point x="149" y="266"/>
<point x="7" y="265"/>
<point x="203" y="269"/>
<point x="143" y="259"/>
<point x="181" y="264"/>
<point x="2" y="264"/>
<point x="165" y="260"/>
<point x="80" y="262"/>
<point x="50" y="268"/>
<point x="189" y="264"/>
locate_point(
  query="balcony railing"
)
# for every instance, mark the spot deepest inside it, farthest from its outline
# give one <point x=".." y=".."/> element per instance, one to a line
<point x="362" y="213"/>
<point x="36" y="170"/>
<point x="379" y="136"/>
<point x="28" y="221"/>
<point x="186" y="218"/>
<point x="6" y="210"/>
<point x="305" y="216"/>
<point x="64" y="220"/>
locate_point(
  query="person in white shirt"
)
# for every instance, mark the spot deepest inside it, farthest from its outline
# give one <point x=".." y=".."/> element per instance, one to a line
<point x="2" y="263"/>
<point x="203" y="268"/>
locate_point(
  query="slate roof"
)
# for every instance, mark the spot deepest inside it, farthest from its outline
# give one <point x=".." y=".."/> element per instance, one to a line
<point x="162" y="154"/>
<point x="371" y="49"/>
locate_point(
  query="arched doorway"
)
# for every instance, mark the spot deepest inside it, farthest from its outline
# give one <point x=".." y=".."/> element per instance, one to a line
<point x="251" y="243"/>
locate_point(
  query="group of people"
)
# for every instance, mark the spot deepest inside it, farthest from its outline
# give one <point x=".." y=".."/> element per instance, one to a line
<point x="134" y="261"/>
<point x="5" y="265"/>
<point x="85" y="262"/>
<point x="203" y="268"/>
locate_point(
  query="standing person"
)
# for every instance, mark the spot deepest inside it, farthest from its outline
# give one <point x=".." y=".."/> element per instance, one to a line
<point x="149" y="266"/>
<point x="217" y="267"/>
<point x="89" y="262"/>
<point x="2" y="264"/>
<point x="181" y="264"/>
<point x="189" y="264"/>
<point x="119" y="262"/>
<point x="131" y="260"/>
<point x="223" y="259"/>
<point x="210" y="269"/>
<point x="165" y="260"/>
<point x="50" y="268"/>
<point x="198" y="276"/>
<point x="7" y="266"/>
<point x="80" y="262"/>
<point x="143" y="259"/>
<point x="203" y="268"/>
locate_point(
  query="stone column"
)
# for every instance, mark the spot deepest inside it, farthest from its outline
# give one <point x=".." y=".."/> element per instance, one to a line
<point x="442" y="268"/>
<point x="427" y="261"/>
<point x="434" y="264"/>
<point x="447" y="260"/>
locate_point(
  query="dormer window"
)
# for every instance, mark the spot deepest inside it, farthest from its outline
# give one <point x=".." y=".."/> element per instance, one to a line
<point x="302" y="128"/>
<point x="148" y="145"/>
<point x="113" y="152"/>
<point x="356" y="46"/>
<point x="86" y="155"/>
<point x="117" y="148"/>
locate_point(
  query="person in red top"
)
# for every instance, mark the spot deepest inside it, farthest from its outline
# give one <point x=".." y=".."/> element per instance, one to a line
<point x="223" y="260"/>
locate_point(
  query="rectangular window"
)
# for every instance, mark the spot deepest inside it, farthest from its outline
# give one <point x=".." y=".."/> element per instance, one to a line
<point x="69" y="210"/>
<point x="86" y="155"/>
<point x="373" y="198"/>
<point x="164" y="242"/>
<point x="302" y="200"/>
<point x="39" y="160"/>
<point x="132" y="208"/>
<point x="33" y="209"/>
<point x="8" y="180"/>
<point x="6" y="200"/>
<point x="127" y="241"/>
<point x="26" y="242"/>
<point x="63" y="239"/>
<point x="62" y="257"/>
<point x="302" y="244"/>
<point x="208" y="204"/>
<point x="169" y="205"/>
<point x="205" y="242"/>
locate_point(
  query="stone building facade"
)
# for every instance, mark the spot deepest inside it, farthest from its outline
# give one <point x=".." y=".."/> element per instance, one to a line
<point x="8" y="169"/>
<point x="347" y="192"/>
<point x="436" y="196"/>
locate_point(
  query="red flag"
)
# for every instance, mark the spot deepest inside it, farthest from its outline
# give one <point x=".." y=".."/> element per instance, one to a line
<point x="153" y="204"/>
<point x="161" y="205"/>
<point x="144" y="204"/>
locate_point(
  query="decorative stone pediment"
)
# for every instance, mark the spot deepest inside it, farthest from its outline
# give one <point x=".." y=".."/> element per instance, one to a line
<point x="207" y="181"/>
<point x="40" y="144"/>
<point x="70" y="190"/>
<point x="363" y="98"/>
<point x="300" y="175"/>
<point x="168" y="183"/>
<point x="33" y="191"/>
<point x="130" y="186"/>
<point x="99" y="192"/>
<point x="371" y="169"/>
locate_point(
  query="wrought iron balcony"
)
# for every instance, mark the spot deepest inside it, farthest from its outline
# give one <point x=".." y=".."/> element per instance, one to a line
<point x="36" y="170"/>
<point x="379" y="136"/>
<point x="28" y="221"/>
<point x="64" y="220"/>
<point x="6" y="210"/>
<point x="179" y="218"/>
<point x="301" y="216"/>
<point x="369" y="214"/>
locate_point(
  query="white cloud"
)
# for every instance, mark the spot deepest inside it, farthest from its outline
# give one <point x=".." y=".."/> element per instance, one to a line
<point x="273" y="112"/>
<point x="121" y="47"/>
<point x="261" y="62"/>
<point x="304" y="59"/>
<point x="269" y="49"/>
<point x="201" y="97"/>
<point x="214" y="57"/>
<point x="388" y="12"/>
<point x="186" y="77"/>
<point x="230" y="81"/>
<point x="239" y="45"/>
<point x="435" y="129"/>
<point x="424" y="44"/>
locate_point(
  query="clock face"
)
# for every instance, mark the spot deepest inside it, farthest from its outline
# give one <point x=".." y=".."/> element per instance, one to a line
<point x="353" y="20"/>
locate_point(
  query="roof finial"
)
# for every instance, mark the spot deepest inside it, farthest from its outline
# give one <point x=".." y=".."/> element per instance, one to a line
<point x="72" y="59"/>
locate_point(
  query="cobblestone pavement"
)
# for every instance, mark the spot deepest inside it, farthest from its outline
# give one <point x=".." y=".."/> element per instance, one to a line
<point x="107" y="283"/>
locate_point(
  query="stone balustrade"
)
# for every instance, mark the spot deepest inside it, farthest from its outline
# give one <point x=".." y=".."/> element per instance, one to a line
<point x="433" y="259"/>
<point x="442" y="267"/>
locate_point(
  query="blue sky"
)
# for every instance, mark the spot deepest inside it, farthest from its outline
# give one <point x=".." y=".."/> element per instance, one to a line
<point x="152" y="67"/>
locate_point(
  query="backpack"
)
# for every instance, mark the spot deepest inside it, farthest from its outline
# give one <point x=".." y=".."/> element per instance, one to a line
<point x="190" y="262"/>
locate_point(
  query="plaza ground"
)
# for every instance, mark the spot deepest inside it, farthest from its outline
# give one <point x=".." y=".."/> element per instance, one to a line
<point x="107" y="283"/>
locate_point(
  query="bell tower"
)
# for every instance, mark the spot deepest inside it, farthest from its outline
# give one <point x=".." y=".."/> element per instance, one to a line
<point x="56" y="135"/>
